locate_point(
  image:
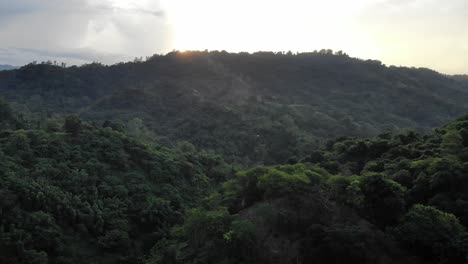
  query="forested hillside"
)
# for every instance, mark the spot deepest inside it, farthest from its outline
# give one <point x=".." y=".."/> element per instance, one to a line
<point x="390" y="199"/>
<point x="252" y="108"/>
<point x="78" y="192"/>
<point x="462" y="78"/>
<point x="215" y="157"/>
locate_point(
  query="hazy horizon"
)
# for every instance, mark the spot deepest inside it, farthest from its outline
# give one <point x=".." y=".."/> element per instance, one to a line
<point x="415" y="33"/>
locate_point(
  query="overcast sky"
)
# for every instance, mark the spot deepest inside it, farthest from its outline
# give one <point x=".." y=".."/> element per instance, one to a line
<point x="422" y="33"/>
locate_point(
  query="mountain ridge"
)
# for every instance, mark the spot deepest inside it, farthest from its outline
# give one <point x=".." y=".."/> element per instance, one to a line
<point x="6" y="67"/>
<point x="201" y="97"/>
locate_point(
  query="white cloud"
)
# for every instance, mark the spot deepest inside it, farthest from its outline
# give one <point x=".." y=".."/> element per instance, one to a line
<point x="66" y="28"/>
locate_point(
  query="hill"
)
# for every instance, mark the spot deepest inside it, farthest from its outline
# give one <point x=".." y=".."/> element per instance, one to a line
<point x="462" y="78"/>
<point x="77" y="192"/>
<point x="252" y="108"/>
<point x="390" y="199"/>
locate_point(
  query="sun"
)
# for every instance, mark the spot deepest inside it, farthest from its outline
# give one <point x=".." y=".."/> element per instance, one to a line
<point x="217" y="25"/>
<point x="246" y="25"/>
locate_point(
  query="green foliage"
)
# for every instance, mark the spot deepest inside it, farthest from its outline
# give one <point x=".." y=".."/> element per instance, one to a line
<point x="260" y="183"/>
<point x="90" y="193"/>
<point x="349" y="206"/>
<point x="346" y="190"/>
<point x="72" y="125"/>
<point x="431" y="233"/>
<point x="209" y="237"/>
<point x="383" y="199"/>
<point x="242" y="231"/>
<point x="260" y="108"/>
<point x="452" y="143"/>
<point x="74" y="191"/>
<point x="8" y="119"/>
<point x="114" y="240"/>
<point x="277" y="181"/>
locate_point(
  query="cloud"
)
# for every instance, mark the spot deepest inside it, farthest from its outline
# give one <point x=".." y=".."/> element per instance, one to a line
<point x="18" y="7"/>
<point x="76" y="56"/>
<point x="22" y="56"/>
<point x="81" y="30"/>
<point x="135" y="10"/>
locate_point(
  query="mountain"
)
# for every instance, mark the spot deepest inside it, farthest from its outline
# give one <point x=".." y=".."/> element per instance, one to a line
<point x="126" y="163"/>
<point x="7" y="67"/>
<point x="252" y="108"/>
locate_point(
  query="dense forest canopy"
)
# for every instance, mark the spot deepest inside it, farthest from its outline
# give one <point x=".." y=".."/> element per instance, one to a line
<point x="79" y="191"/>
<point x="390" y="199"/>
<point x="253" y="108"/>
<point x="216" y="157"/>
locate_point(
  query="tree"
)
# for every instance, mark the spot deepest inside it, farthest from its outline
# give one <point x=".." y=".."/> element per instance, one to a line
<point x="429" y="232"/>
<point x="114" y="240"/>
<point x="7" y="118"/>
<point x="452" y="143"/>
<point x="383" y="201"/>
<point x="72" y="125"/>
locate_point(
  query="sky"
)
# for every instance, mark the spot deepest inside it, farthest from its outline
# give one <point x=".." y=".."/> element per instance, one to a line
<point x="419" y="33"/>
